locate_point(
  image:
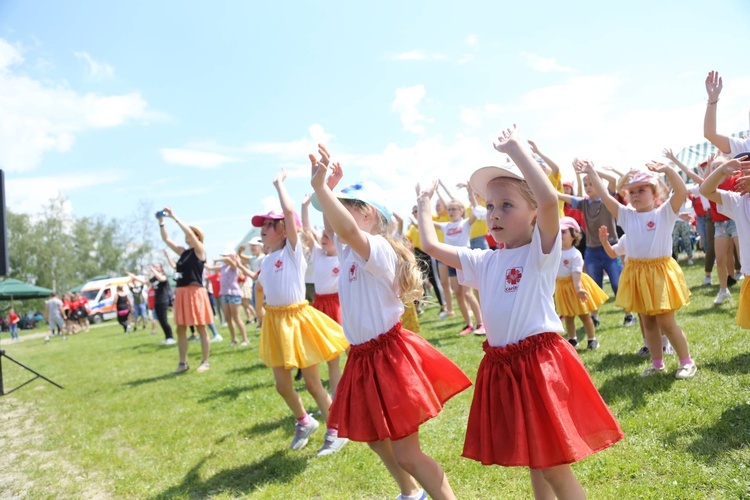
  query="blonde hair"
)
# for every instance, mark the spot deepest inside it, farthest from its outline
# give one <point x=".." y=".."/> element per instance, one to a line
<point x="408" y="274"/>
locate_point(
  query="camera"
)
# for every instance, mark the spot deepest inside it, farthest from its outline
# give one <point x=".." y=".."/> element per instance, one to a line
<point x="161" y="213"/>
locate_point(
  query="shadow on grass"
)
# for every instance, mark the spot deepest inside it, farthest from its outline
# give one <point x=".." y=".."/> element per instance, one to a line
<point x="730" y="432"/>
<point x="634" y="388"/>
<point x="142" y="381"/>
<point x="263" y="428"/>
<point x="617" y="361"/>
<point x="279" y="467"/>
<point x="231" y="393"/>
<point x="247" y="369"/>
<point x="738" y="365"/>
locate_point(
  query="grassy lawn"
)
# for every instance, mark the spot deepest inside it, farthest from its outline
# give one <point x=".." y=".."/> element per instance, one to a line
<point x="125" y="427"/>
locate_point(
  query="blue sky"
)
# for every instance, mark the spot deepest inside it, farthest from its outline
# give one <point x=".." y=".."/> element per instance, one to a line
<point x="197" y="106"/>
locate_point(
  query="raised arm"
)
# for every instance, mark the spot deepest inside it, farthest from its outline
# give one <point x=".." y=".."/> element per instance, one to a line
<point x="679" y="189"/>
<point x="547" y="160"/>
<point x="306" y="226"/>
<point x="547" y="219"/>
<point x="714" y="84"/>
<point x="579" y="184"/>
<point x="692" y="175"/>
<point x="611" y="180"/>
<point x="604" y="238"/>
<point x="447" y="254"/>
<point x="472" y="200"/>
<point x="399" y="224"/>
<point x="169" y="260"/>
<point x="167" y="240"/>
<point x="447" y="192"/>
<point x="609" y="201"/>
<point x="158" y="274"/>
<point x="190" y="236"/>
<point x="132" y="276"/>
<point x="287" y="207"/>
<point x="710" y="187"/>
<point x="337" y="217"/>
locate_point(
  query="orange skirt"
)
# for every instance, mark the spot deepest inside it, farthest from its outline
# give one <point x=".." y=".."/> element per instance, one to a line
<point x="391" y="385"/>
<point x="652" y="286"/>
<point x="536" y="406"/>
<point x="329" y="305"/>
<point x="192" y="306"/>
<point x="743" y="311"/>
<point x="567" y="302"/>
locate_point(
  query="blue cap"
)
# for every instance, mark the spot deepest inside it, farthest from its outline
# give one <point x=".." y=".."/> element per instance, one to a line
<point x="361" y="191"/>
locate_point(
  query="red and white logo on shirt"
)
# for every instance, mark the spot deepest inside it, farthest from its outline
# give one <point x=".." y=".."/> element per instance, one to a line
<point x="566" y="262"/>
<point x="651" y="226"/>
<point x="353" y="272"/>
<point x="454" y="230"/>
<point x="335" y="271"/>
<point x="513" y="278"/>
<point x="278" y="265"/>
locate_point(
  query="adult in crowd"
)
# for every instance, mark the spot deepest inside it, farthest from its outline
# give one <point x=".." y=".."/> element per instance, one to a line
<point x="215" y="296"/>
<point x="162" y="299"/>
<point x="124" y="308"/>
<point x="13" y="321"/>
<point x="191" y="304"/>
<point x="54" y="316"/>
<point x="728" y="145"/>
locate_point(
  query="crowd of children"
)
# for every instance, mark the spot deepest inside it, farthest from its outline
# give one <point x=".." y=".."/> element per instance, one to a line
<point x="542" y="264"/>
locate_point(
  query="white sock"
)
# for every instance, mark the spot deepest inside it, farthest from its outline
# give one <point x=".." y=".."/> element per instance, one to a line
<point x="415" y="496"/>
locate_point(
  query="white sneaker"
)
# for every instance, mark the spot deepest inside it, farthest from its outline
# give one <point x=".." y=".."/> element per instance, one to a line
<point x="217" y="338"/>
<point x="690" y="262"/>
<point x="422" y="495"/>
<point x="169" y="342"/>
<point x="46" y="340"/>
<point x="302" y="434"/>
<point x="331" y="445"/>
<point x="722" y="297"/>
<point x="738" y="276"/>
<point x="686" y="371"/>
<point x="707" y="280"/>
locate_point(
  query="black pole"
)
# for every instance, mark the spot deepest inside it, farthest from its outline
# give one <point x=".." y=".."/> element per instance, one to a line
<point x="38" y="375"/>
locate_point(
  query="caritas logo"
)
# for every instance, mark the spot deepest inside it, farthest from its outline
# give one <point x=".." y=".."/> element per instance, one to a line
<point x="335" y="271"/>
<point x="353" y="272"/>
<point x="566" y="262"/>
<point x="651" y="226"/>
<point x="513" y="278"/>
<point x="278" y="265"/>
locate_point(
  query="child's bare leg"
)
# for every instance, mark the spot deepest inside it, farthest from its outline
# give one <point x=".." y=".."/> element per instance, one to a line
<point x="461" y="299"/>
<point x="205" y="342"/>
<point x="407" y="484"/>
<point x="541" y="488"/>
<point x="228" y="318"/>
<point x="473" y="304"/>
<point x="563" y="482"/>
<point x="588" y="325"/>
<point x="334" y="374"/>
<point x="422" y="467"/>
<point x="652" y="336"/>
<point x="570" y="326"/>
<point x="446" y="284"/>
<point x="674" y="333"/>
<point x="317" y="391"/>
<point x="285" y="388"/>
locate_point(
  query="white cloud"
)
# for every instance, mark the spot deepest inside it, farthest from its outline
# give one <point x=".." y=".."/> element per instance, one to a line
<point x="40" y="116"/>
<point x="418" y="55"/>
<point x="405" y="104"/>
<point x="96" y="69"/>
<point x="29" y="194"/>
<point x="544" y="64"/>
<point x="472" y="40"/>
<point x="195" y="158"/>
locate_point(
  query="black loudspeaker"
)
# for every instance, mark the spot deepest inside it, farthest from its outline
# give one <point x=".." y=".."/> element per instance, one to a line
<point x="3" y="229"/>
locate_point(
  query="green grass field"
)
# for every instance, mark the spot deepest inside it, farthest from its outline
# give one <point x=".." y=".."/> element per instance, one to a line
<point x="124" y="427"/>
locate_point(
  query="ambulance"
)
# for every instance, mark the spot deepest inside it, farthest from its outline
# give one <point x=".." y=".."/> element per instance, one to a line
<point x="102" y="297"/>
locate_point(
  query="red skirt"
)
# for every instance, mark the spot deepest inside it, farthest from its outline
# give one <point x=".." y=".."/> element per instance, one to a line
<point x="535" y="405"/>
<point x="391" y="385"/>
<point x="329" y="305"/>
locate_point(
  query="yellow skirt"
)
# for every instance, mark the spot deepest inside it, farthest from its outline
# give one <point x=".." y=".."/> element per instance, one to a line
<point x="652" y="286"/>
<point x="567" y="302"/>
<point x="743" y="311"/>
<point x="410" y="318"/>
<point x="298" y="336"/>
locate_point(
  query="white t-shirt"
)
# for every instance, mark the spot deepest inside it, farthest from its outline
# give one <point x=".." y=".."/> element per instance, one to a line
<point x="282" y="276"/>
<point x="368" y="291"/>
<point x="571" y="261"/>
<point x="458" y="234"/>
<point x="326" y="271"/>
<point x="619" y="247"/>
<point x="254" y="263"/>
<point x="736" y="206"/>
<point x="738" y="145"/>
<point x="649" y="233"/>
<point x="515" y="289"/>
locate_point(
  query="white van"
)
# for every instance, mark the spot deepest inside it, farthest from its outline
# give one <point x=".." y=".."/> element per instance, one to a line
<point x="101" y="295"/>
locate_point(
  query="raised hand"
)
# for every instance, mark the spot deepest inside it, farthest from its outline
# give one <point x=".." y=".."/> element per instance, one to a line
<point x="317" y="172"/>
<point x="168" y="212"/>
<point x="428" y="191"/>
<point x="506" y="140"/>
<point x="657" y="167"/>
<point x="584" y="167"/>
<point x="336" y="174"/>
<point x="667" y="153"/>
<point x="463" y="185"/>
<point x="325" y="156"/>
<point x="306" y="199"/>
<point x="603" y="233"/>
<point x="280" y="178"/>
<point x="534" y="148"/>
<point x="714" y="85"/>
